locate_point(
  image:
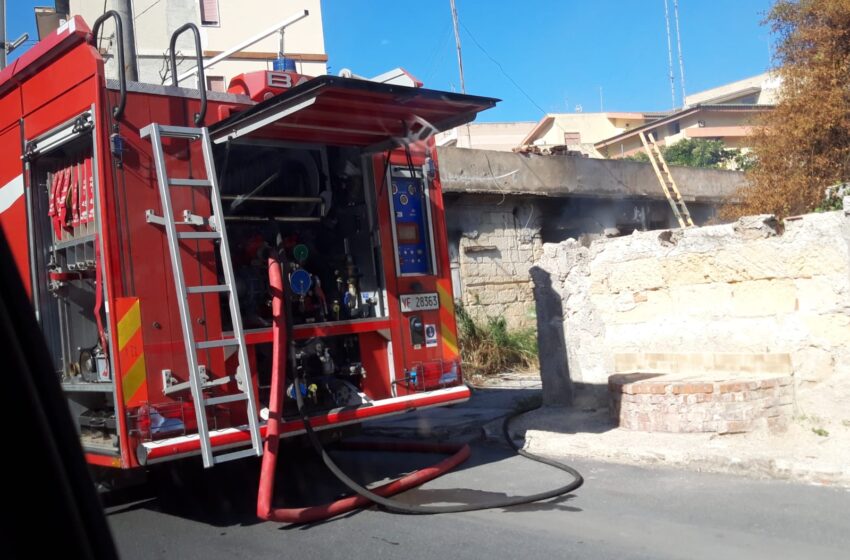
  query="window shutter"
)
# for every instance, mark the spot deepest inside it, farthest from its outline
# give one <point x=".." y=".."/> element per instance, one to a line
<point x="209" y="12"/>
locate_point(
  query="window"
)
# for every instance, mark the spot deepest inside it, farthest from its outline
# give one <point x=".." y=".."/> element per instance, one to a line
<point x="215" y="83"/>
<point x="674" y="128"/>
<point x="572" y="138"/>
<point x="209" y="12"/>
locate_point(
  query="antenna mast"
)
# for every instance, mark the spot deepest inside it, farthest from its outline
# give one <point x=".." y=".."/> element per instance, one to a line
<point x="2" y="34"/>
<point x="460" y="62"/>
<point x="679" y="45"/>
<point x="670" y="54"/>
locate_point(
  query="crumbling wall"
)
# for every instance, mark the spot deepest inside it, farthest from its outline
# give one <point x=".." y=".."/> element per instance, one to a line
<point x="707" y="294"/>
<point x="495" y="240"/>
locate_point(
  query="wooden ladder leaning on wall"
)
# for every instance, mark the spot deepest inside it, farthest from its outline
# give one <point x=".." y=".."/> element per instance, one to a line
<point x="662" y="171"/>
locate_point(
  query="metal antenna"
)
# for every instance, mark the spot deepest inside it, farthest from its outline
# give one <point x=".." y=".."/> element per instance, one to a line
<point x="460" y="61"/>
<point x="679" y="45"/>
<point x="2" y="34"/>
<point x="670" y="54"/>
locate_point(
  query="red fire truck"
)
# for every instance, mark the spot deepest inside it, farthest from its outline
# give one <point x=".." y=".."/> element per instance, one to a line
<point x="141" y="218"/>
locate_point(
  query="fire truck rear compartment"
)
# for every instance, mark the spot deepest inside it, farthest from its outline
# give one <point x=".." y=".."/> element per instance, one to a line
<point x="313" y="202"/>
<point x="63" y="231"/>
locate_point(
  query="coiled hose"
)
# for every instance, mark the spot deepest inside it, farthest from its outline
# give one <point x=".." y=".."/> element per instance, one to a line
<point x="364" y="495"/>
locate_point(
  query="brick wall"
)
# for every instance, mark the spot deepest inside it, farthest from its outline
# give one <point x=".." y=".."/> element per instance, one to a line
<point x="723" y="292"/>
<point x="673" y="403"/>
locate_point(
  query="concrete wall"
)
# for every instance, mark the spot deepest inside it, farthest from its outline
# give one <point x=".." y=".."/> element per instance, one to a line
<point x="503" y="173"/>
<point x="730" y="292"/>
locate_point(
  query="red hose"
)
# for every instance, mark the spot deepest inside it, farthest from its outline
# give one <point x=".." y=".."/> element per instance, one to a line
<point x="266" y="491"/>
<point x="460" y="452"/>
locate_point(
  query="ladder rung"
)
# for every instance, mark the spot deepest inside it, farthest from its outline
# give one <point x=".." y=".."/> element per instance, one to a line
<point x="217" y="343"/>
<point x="172" y="131"/>
<point x="233" y="455"/>
<point x="198" y="235"/>
<point x="179" y="131"/>
<point x="207" y="289"/>
<point x="226" y="399"/>
<point x="189" y="183"/>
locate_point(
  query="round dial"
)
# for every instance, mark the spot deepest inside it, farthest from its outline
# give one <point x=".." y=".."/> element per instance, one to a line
<point x="300" y="281"/>
<point x="300" y="252"/>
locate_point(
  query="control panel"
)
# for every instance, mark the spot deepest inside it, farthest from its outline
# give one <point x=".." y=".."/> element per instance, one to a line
<point x="411" y="220"/>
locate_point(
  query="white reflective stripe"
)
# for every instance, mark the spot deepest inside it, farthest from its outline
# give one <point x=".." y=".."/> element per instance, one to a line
<point x="11" y="192"/>
<point x="145" y="447"/>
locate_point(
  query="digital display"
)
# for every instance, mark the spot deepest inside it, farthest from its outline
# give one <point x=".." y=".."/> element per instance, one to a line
<point x="408" y="233"/>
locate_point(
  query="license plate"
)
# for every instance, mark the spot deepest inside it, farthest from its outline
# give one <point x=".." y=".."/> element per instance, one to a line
<point x="419" y="302"/>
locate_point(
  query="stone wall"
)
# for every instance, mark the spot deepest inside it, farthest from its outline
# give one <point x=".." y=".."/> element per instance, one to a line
<point x="494" y="241"/>
<point x="502" y="206"/>
<point x="706" y="296"/>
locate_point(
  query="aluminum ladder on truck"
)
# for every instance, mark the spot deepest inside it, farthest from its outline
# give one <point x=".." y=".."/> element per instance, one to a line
<point x="662" y="171"/>
<point x="197" y="375"/>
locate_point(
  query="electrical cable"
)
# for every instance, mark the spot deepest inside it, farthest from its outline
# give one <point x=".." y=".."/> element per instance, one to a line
<point x="509" y="77"/>
<point x="400" y="507"/>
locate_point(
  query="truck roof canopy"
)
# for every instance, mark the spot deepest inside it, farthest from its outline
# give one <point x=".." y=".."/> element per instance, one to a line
<point x="352" y="112"/>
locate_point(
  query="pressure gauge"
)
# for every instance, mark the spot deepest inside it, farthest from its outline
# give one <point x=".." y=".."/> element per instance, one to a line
<point x="300" y="252"/>
<point x="300" y="281"/>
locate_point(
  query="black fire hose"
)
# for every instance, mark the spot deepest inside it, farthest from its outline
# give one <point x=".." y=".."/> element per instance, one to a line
<point x="400" y="507"/>
<point x="394" y="505"/>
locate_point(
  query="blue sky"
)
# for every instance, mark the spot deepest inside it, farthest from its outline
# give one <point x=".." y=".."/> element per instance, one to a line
<point x="560" y="52"/>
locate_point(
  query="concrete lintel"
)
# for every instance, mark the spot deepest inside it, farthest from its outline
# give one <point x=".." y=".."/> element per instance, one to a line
<point x="483" y="171"/>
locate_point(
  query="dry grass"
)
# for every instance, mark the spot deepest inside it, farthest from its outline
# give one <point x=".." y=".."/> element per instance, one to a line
<point x="489" y="347"/>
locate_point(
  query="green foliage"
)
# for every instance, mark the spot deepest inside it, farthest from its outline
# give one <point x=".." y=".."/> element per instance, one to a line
<point x="639" y="157"/>
<point x="489" y="347"/>
<point x="745" y="161"/>
<point x="821" y="432"/>
<point x="833" y="198"/>
<point x="699" y="152"/>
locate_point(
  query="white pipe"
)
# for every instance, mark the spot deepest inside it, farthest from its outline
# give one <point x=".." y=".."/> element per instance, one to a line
<point x="245" y="44"/>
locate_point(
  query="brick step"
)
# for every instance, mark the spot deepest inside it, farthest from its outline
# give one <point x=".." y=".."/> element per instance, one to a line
<point x="705" y="402"/>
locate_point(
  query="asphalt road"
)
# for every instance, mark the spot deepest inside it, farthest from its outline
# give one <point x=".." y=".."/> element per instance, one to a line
<point x="621" y="512"/>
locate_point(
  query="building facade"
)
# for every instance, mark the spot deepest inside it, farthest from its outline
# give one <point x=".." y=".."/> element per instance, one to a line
<point x="579" y="132"/>
<point x="223" y="24"/>
<point x="497" y="136"/>
<point x="726" y="113"/>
